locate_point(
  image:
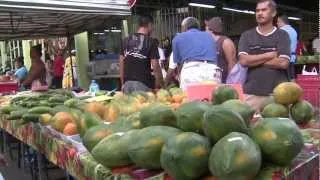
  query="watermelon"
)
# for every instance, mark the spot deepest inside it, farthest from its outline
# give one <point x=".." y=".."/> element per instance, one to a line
<point x="158" y="115"/>
<point x="224" y="93"/>
<point x="95" y="134"/>
<point x="302" y="112"/>
<point x="219" y="122"/>
<point x="112" y="151"/>
<point x="280" y="140"/>
<point x="240" y="107"/>
<point x="275" y="110"/>
<point x="186" y="155"/>
<point x="235" y="156"/>
<point x="190" y="116"/>
<point x="287" y="93"/>
<point x="145" y="151"/>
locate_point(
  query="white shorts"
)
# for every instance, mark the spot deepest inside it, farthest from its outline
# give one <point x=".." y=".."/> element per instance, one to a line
<point x="1" y="177"/>
<point x="197" y="72"/>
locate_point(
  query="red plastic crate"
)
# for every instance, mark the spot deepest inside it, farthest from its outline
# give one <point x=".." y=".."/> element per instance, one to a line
<point x="6" y="87"/>
<point x="311" y="88"/>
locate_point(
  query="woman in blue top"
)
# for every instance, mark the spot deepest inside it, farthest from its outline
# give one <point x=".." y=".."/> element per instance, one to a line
<point x="21" y="72"/>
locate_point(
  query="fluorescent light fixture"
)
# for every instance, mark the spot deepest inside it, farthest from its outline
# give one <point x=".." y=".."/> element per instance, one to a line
<point x="116" y="30"/>
<point x="202" y="5"/>
<point x="238" y="10"/>
<point x="106" y="30"/>
<point x="294" y="18"/>
<point x="98" y="33"/>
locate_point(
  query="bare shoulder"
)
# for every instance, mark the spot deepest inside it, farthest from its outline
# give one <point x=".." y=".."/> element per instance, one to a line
<point x="228" y="43"/>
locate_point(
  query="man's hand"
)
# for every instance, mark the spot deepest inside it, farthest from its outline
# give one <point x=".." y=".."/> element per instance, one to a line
<point x="3" y="160"/>
<point x="257" y="60"/>
<point x="271" y="55"/>
<point x="278" y="63"/>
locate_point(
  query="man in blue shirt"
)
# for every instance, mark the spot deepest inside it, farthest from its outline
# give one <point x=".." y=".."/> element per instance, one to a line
<point x="195" y="53"/>
<point x="21" y="72"/>
<point x="283" y="23"/>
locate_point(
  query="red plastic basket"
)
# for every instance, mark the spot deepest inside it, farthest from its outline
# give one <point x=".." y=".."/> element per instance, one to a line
<point x="6" y="87"/>
<point x="311" y="88"/>
<point x="203" y="92"/>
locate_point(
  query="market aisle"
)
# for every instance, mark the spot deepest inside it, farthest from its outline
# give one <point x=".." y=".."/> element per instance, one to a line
<point x="12" y="172"/>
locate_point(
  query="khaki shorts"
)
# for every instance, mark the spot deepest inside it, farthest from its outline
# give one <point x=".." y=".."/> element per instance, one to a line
<point x="256" y="102"/>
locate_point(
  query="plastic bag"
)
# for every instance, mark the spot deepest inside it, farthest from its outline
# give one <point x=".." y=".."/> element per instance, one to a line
<point x="238" y="75"/>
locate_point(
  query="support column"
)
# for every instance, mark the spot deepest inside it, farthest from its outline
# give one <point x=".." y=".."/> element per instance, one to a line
<point x="81" y="44"/>
<point x="3" y="54"/>
<point x="26" y="53"/>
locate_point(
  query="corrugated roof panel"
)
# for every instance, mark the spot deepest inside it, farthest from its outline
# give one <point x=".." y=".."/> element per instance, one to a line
<point x="26" y="19"/>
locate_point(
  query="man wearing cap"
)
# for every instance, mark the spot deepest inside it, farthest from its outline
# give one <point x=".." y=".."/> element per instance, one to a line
<point x="195" y="52"/>
<point x="226" y="50"/>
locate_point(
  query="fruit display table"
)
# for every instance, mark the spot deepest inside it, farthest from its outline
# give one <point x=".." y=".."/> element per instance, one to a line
<point x="82" y="166"/>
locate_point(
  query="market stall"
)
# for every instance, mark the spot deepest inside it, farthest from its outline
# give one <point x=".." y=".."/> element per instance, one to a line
<point x="91" y="137"/>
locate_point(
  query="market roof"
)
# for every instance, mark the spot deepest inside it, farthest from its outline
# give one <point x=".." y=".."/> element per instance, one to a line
<point x="39" y="18"/>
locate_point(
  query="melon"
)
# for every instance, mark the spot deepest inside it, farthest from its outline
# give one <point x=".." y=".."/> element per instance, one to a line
<point x="163" y="96"/>
<point x="275" y="110"/>
<point x="70" y="129"/>
<point x="190" y="116"/>
<point x="95" y="107"/>
<point x="185" y="156"/>
<point x="145" y="151"/>
<point x="280" y="140"/>
<point x="235" y="156"/>
<point x="287" y="93"/>
<point x="61" y="119"/>
<point x="224" y="93"/>
<point x="126" y="123"/>
<point x="95" y="134"/>
<point x="240" y="107"/>
<point x="86" y="121"/>
<point x="218" y="122"/>
<point x="112" y="151"/>
<point x="302" y="112"/>
<point x="158" y="114"/>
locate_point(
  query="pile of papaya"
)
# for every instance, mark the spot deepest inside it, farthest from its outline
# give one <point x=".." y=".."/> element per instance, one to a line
<point x="162" y="130"/>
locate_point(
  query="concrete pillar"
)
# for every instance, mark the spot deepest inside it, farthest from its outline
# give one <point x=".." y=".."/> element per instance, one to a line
<point x="82" y="51"/>
<point x="3" y="53"/>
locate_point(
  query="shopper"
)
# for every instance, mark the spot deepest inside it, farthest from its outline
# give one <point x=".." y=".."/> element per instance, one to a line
<point x="265" y="50"/>
<point x="58" y="67"/>
<point x="70" y="76"/>
<point x="138" y="53"/>
<point x="226" y="50"/>
<point x="283" y="23"/>
<point x="195" y="52"/>
<point x="172" y="77"/>
<point x="37" y="73"/>
<point x="21" y="72"/>
<point x="162" y="59"/>
<point x="316" y="45"/>
<point x="49" y="70"/>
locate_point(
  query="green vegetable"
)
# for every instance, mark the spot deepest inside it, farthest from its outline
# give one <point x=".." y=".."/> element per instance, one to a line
<point x="14" y="115"/>
<point x="58" y="99"/>
<point x="8" y="109"/>
<point x="27" y="118"/>
<point x="41" y="110"/>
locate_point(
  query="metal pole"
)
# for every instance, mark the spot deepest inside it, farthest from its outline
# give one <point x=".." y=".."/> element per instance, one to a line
<point x="39" y="165"/>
